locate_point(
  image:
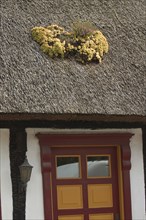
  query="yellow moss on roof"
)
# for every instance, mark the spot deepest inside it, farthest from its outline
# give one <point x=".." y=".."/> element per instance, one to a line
<point x="56" y="42"/>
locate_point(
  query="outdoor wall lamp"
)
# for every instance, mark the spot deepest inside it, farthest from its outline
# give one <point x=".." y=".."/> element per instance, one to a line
<point x="25" y="173"/>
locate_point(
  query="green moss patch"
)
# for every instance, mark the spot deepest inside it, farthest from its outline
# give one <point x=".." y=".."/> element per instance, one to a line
<point x="85" y="42"/>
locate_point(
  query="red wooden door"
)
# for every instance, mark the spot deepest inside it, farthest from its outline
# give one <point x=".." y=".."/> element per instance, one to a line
<point x="82" y="194"/>
<point x="84" y="183"/>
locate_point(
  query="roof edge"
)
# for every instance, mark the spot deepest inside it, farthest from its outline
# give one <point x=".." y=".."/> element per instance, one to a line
<point x="72" y="117"/>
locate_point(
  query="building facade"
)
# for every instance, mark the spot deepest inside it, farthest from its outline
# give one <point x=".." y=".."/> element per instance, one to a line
<point x="82" y="127"/>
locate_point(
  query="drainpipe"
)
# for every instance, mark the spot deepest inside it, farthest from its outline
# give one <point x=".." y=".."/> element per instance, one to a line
<point x="18" y="148"/>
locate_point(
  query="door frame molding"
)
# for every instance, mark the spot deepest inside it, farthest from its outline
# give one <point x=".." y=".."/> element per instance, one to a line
<point x="119" y="140"/>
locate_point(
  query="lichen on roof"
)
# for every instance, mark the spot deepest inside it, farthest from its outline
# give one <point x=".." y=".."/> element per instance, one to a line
<point x="84" y="42"/>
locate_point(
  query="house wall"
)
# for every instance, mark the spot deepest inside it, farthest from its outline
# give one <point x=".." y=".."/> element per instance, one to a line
<point x="34" y="203"/>
<point x="5" y="180"/>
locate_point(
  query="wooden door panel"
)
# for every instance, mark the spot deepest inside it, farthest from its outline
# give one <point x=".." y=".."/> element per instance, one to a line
<point x="71" y="217"/>
<point x="101" y="217"/>
<point x="100" y="195"/>
<point x="69" y="197"/>
<point x="87" y="196"/>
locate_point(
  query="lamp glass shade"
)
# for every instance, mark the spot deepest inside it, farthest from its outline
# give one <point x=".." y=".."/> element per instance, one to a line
<point x="25" y="171"/>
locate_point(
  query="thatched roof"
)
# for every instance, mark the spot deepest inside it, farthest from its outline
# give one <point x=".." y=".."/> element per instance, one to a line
<point x="32" y="82"/>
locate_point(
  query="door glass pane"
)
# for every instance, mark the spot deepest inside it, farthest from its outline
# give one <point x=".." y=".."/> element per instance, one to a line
<point x="98" y="166"/>
<point x="68" y="166"/>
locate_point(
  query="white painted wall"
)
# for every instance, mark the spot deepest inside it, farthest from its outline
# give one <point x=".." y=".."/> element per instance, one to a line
<point x="5" y="181"/>
<point x="137" y="177"/>
<point x="34" y="203"/>
<point x="34" y="199"/>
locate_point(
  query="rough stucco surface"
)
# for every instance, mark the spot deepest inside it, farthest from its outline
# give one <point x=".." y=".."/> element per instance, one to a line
<point x="32" y="82"/>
